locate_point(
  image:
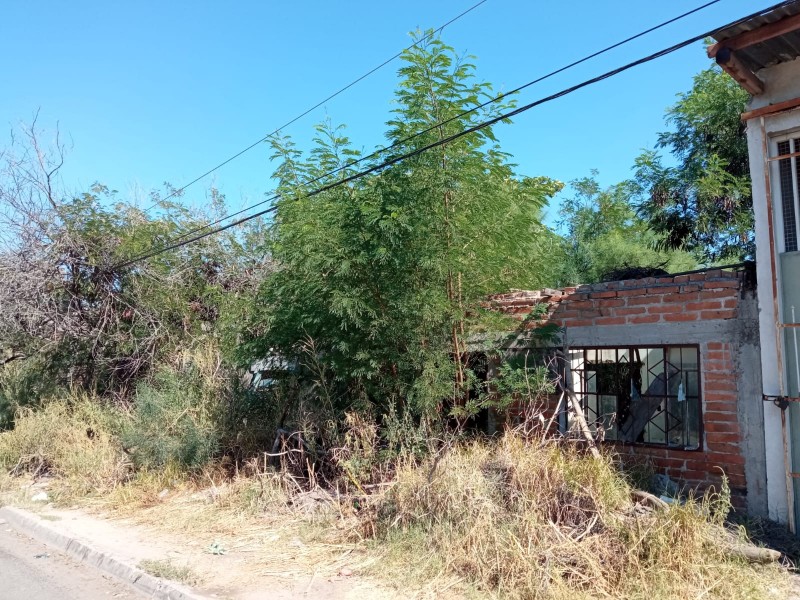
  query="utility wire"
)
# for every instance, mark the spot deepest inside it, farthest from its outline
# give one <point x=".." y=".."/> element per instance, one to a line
<point x="316" y="106"/>
<point x="405" y="140"/>
<point x="473" y="129"/>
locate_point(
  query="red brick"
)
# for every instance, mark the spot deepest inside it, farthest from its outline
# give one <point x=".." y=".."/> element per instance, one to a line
<point x="603" y="295"/>
<point x="722" y="437"/>
<point x="713" y="294"/>
<point x="719" y="377"/>
<point x="631" y="292"/>
<point x="580" y="305"/>
<point x="722" y="460"/>
<point x="730" y="303"/>
<point x="579" y="323"/>
<point x="640" y="300"/>
<point x="636" y="310"/>
<point x="662" y="309"/>
<point x="664" y="289"/>
<point x="720" y="417"/>
<point x="697" y="277"/>
<point x="611" y="303"/>
<point x="710" y="426"/>
<point x="715" y="345"/>
<point x="633" y="320"/>
<point x="716" y="405"/>
<point x="609" y="321"/>
<point x="719" y="386"/>
<point x="704" y="305"/>
<point x="681" y="278"/>
<point x="670" y="463"/>
<point x="720" y="366"/>
<point x="681" y="317"/>
<point x="721" y="284"/>
<point x="711" y="315"/>
<point x="681" y="297"/>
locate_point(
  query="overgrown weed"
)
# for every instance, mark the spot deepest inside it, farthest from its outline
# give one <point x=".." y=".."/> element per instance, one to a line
<point x="535" y="519"/>
<point x="76" y="440"/>
<point x="166" y="569"/>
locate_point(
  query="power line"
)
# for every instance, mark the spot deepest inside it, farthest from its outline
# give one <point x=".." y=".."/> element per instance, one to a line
<point x="316" y="106"/>
<point x="404" y="141"/>
<point x="473" y="129"/>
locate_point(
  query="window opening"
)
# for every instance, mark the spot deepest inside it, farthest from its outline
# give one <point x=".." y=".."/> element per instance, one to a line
<point x="647" y="395"/>
<point x="788" y="175"/>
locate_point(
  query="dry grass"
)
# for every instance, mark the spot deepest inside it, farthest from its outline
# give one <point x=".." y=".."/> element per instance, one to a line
<point x="74" y="441"/>
<point x="537" y="520"/>
<point x="512" y="518"/>
<point x="166" y="569"/>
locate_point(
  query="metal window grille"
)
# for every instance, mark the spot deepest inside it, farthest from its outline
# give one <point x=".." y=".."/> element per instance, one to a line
<point x="787" y="179"/>
<point x="638" y="394"/>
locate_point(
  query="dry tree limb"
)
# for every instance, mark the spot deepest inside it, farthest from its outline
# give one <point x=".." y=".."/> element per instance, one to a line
<point x="648" y="498"/>
<point x="582" y="424"/>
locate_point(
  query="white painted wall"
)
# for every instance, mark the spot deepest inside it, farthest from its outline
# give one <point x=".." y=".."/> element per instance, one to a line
<point x="782" y="82"/>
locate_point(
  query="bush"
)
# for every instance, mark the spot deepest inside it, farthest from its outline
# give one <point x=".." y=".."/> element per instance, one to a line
<point x="173" y="421"/>
<point x="22" y="384"/>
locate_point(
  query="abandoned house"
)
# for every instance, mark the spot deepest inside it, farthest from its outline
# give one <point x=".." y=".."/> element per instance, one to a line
<point x="700" y="373"/>
<point x="666" y="367"/>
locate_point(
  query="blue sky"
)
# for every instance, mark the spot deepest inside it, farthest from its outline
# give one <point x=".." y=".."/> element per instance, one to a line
<point x="149" y="92"/>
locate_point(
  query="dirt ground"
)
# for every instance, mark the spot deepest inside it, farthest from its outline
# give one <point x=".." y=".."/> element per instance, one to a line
<point x="228" y="556"/>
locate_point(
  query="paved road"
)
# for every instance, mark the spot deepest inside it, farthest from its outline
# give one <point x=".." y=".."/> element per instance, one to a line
<point x="52" y="576"/>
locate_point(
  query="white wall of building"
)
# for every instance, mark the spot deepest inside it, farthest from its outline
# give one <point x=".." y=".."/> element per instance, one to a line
<point x="782" y="82"/>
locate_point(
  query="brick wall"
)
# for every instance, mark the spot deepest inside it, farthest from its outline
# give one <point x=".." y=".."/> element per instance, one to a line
<point x="699" y="308"/>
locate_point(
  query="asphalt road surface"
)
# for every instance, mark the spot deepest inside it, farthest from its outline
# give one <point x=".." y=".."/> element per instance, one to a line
<point x="32" y="571"/>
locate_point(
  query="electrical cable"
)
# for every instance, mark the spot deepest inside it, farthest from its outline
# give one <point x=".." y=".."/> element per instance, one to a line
<point x="316" y="106"/>
<point x="473" y="129"/>
<point x="404" y="141"/>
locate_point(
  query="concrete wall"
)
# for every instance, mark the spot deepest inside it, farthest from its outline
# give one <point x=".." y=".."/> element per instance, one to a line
<point x="715" y="310"/>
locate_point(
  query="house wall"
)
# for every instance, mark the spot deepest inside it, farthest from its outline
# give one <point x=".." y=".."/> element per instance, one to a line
<point x="782" y="82"/>
<point x="715" y="310"/>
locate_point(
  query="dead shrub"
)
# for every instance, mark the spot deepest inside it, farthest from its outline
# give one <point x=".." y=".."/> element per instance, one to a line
<point x="538" y="519"/>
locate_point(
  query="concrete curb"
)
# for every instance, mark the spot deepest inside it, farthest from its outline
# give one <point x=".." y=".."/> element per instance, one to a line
<point x="41" y="530"/>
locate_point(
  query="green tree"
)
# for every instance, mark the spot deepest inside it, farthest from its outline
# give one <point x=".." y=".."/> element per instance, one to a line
<point x="703" y="203"/>
<point x="385" y="274"/>
<point x="604" y="236"/>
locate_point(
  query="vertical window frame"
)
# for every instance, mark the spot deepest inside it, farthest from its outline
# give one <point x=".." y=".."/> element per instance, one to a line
<point x="789" y="237"/>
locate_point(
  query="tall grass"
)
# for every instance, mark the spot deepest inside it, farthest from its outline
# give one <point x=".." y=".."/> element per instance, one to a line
<point x="540" y="520"/>
<point x="75" y="440"/>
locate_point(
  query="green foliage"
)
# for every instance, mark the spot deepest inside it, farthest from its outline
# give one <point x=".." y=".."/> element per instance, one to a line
<point x="172" y="423"/>
<point x="604" y="235"/>
<point x="22" y="385"/>
<point x="382" y="272"/>
<point x="704" y="202"/>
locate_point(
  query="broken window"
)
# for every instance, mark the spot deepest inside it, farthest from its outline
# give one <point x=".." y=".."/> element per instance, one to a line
<point x="648" y="395"/>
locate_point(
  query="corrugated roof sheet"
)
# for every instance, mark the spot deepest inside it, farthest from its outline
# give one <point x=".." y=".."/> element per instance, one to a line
<point x="771" y="52"/>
